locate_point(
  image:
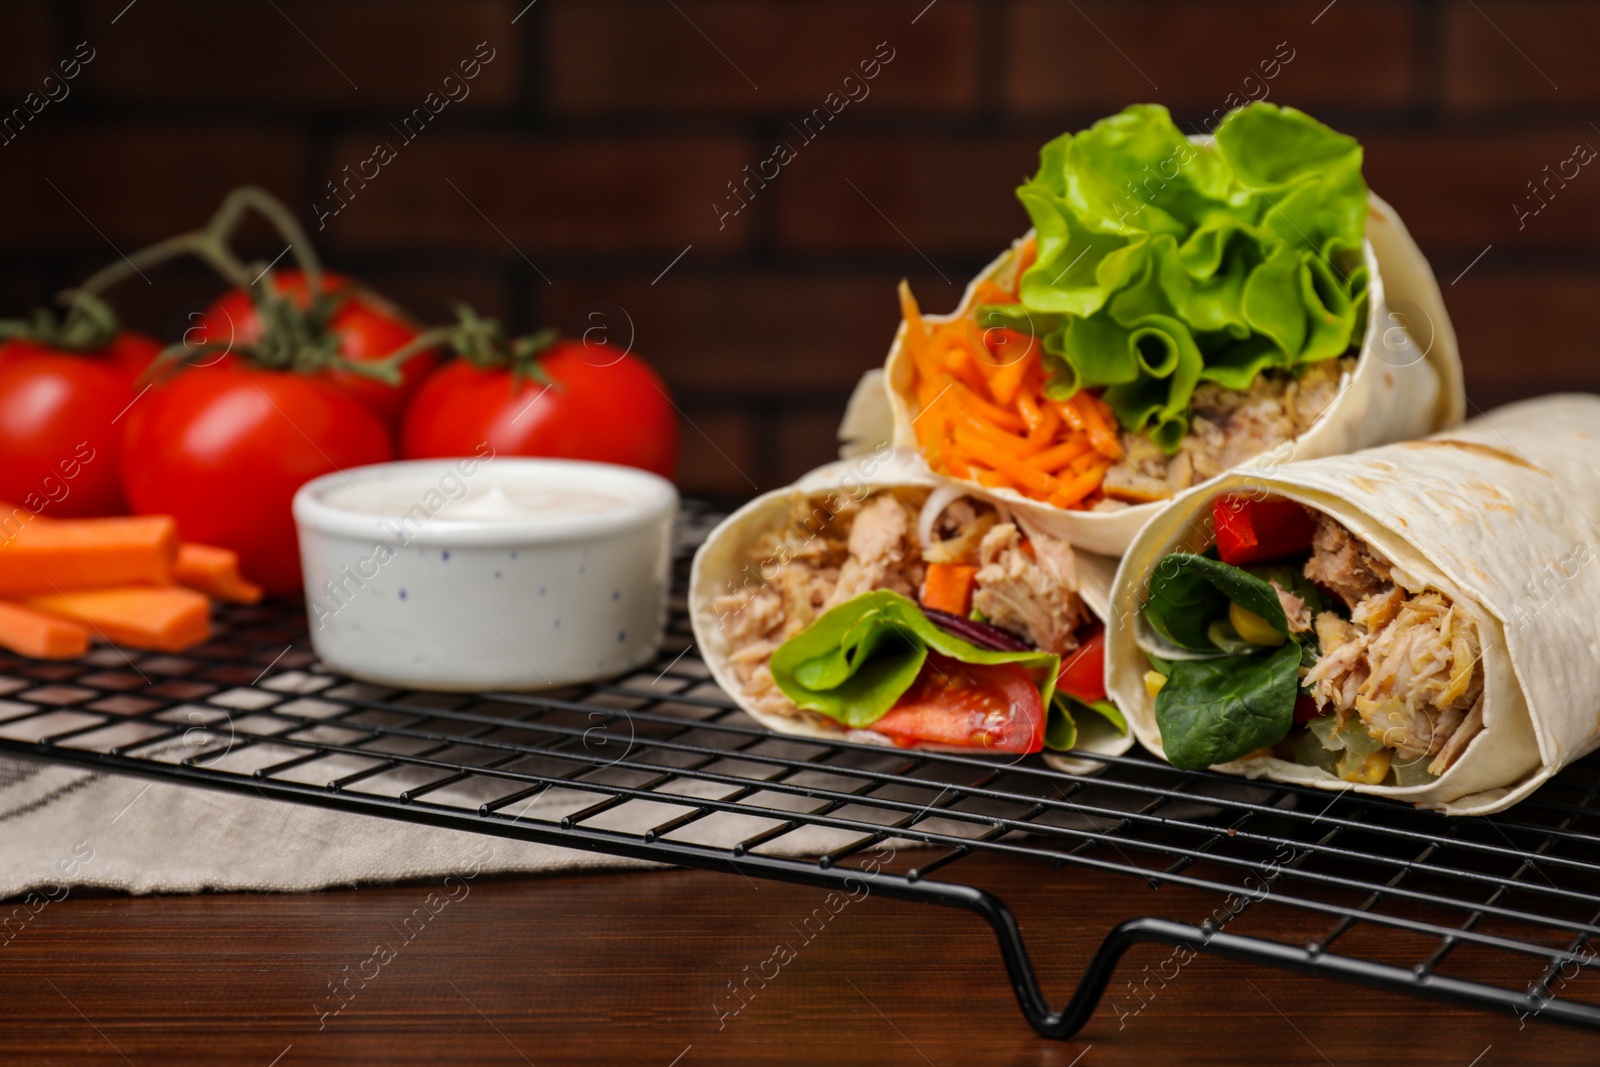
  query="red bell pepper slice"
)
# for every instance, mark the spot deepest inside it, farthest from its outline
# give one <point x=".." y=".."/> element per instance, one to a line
<point x="1250" y="530"/>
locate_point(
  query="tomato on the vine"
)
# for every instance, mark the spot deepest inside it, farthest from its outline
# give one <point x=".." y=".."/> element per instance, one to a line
<point x="59" y="437"/>
<point x="584" y="400"/>
<point x="222" y="449"/>
<point x="366" y="326"/>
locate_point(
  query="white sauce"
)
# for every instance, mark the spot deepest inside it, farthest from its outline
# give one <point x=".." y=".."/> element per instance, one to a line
<point x="470" y="499"/>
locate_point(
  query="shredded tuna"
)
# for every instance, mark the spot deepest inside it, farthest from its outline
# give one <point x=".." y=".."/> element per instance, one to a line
<point x="1343" y="565"/>
<point x="1030" y="593"/>
<point x="1226" y="428"/>
<point x="883" y="552"/>
<point x="1407" y="664"/>
<point x="1295" y="610"/>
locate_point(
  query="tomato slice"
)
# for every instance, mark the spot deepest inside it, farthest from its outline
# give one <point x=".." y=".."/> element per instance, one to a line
<point x="969" y="705"/>
<point x="1083" y="673"/>
<point x="1251" y="530"/>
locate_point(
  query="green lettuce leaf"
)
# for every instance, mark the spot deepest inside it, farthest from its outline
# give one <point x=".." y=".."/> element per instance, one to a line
<point x="1061" y="726"/>
<point x="1161" y="264"/>
<point x="857" y="659"/>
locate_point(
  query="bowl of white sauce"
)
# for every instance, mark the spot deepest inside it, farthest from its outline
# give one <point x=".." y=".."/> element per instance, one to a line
<point x="486" y="572"/>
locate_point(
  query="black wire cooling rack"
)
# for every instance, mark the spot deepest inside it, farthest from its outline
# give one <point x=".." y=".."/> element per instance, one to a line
<point x="1496" y="913"/>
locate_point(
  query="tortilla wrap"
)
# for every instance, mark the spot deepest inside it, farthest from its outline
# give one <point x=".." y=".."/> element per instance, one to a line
<point x="720" y="565"/>
<point x="1503" y="516"/>
<point x="1406" y="383"/>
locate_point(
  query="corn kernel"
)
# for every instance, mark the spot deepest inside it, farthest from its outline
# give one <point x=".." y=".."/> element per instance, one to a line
<point x="1371" y="770"/>
<point x="1253" y="628"/>
<point x="1153" y="681"/>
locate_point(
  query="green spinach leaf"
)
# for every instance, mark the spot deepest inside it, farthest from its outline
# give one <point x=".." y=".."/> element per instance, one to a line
<point x="1215" y="711"/>
<point x="1187" y="593"/>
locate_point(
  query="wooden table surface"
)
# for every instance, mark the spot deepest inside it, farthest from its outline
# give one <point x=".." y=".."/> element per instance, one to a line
<point x="633" y="968"/>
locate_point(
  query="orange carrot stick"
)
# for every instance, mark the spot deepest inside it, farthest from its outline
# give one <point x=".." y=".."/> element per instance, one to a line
<point x="214" y="572"/>
<point x="33" y="633"/>
<point x="64" y="554"/>
<point x="166" y="618"/>
<point x="948" y="587"/>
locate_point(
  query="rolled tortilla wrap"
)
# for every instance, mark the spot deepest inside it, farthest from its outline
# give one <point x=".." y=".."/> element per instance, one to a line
<point x="1406" y="381"/>
<point x="723" y="567"/>
<point x="1502" y="517"/>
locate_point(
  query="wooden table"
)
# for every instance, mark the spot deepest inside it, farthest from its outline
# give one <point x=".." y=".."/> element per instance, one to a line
<point x="633" y="968"/>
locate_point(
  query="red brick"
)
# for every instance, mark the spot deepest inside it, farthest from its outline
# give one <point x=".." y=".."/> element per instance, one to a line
<point x="1101" y="55"/>
<point x="24" y="49"/>
<point x="1523" y="335"/>
<point x="718" y="454"/>
<point x="430" y="295"/>
<point x="642" y="55"/>
<point x="576" y="194"/>
<point x="804" y="440"/>
<point x="1500" y="55"/>
<point x="133" y="183"/>
<point x="1458" y="192"/>
<point x="904" y="194"/>
<point x="300" y="52"/>
<point x="773" y="335"/>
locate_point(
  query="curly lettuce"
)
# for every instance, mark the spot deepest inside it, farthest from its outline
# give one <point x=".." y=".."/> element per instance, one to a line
<point x="1161" y="263"/>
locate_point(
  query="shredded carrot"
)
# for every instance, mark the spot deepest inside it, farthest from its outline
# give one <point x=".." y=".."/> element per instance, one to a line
<point x="997" y="416"/>
<point x="1026" y="257"/>
<point x="1074" y="489"/>
<point x="983" y="414"/>
<point x="1054" y="458"/>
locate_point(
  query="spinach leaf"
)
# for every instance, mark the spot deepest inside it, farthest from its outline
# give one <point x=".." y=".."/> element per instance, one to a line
<point x="1187" y="593"/>
<point x="857" y="659"/>
<point x="1217" y="710"/>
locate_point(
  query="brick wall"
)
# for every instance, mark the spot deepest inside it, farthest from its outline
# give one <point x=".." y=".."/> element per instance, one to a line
<point x="595" y="143"/>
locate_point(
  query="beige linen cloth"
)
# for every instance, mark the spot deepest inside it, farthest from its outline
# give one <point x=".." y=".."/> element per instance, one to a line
<point x="61" y="826"/>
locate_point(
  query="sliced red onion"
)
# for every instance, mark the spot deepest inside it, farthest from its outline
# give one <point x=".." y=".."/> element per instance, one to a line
<point x="977" y="633"/>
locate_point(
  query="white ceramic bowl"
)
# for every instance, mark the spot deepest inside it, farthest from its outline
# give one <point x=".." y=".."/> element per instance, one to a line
<point x="486" y="573"/>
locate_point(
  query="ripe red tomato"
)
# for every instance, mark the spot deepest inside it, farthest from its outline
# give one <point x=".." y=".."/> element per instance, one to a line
<point x="59" y="436"/>
<point x="368" y="327"/>
<point x="600" y="404"/>
<point x="952" y="703"/>
<point x="222" y="449"/>
<point x="1083" y="672"/>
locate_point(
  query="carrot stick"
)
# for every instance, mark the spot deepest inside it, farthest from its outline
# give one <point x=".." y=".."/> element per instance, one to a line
<point x="948" y="587"/>
<point x="64" y="554"/>
<point x="166" y="618"/>
<point x="214" y="572"/>
<point x="33" y="633"/>
<point x="1025" y="258"/>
